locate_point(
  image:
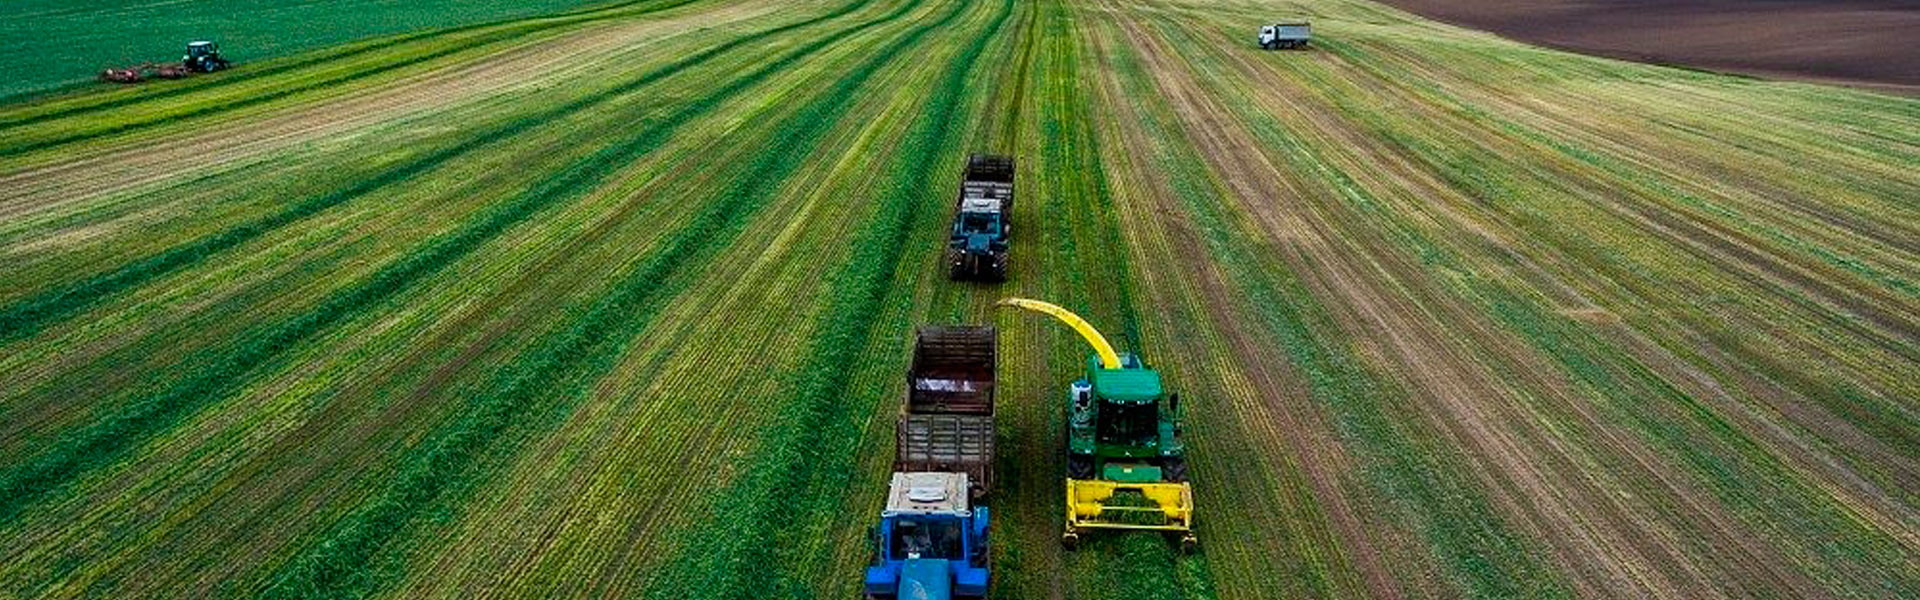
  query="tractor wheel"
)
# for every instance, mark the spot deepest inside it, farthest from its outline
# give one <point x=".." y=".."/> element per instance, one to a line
<point x="1175" y="469"/>
<point x="956" y="266"/>
<point x="1189" y="544"/>
<point x="1079" y="467"/>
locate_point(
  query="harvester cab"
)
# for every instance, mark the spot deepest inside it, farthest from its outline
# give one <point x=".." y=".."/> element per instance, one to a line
<point x="1294" y="34"/>
<point x="1122" y="426"/>
<point x="1126" y="465"/>
<point x="931" y="544"/>
<point x="982" y="220"/>
<point x="204" y="57"/>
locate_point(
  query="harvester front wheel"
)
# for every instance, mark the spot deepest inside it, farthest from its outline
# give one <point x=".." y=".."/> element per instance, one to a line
<point x="1175" y="469"/>
<point x="1079" y="467"/>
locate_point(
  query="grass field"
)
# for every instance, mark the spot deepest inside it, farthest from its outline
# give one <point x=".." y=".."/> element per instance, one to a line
<point x="615" y="302"/>
<point x="50" y="44"/>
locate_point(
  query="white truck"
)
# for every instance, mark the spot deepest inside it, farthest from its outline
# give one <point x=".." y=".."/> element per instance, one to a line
<point x="1285" y="35"/>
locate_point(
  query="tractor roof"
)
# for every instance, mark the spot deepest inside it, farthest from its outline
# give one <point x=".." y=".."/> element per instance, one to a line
<point x="1136" y="386"/>
<point x="200" y="43"/>
<point x="972" y="204"/>
<point x="927" y="494"/>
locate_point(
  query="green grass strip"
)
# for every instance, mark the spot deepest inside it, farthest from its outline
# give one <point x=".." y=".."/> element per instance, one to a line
<point x="793" y="481"/>
<point x="275" y="67"/>
<point x="1457" y="522"/>
<point x="218" y="376"/>
<point x="443" y="466"/>
<point x="1112" y="564"/>
<point x="30" y="315"/>
<point x="532" y="25"/>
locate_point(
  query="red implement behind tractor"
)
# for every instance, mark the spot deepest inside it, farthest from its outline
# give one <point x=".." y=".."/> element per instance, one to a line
<point x="126" y="75"/>
<point x="202" y="57"/>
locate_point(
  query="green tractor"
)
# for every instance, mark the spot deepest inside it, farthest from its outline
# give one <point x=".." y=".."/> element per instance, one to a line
<point x="1126" y="465"/>
<point x="204" y="57"/>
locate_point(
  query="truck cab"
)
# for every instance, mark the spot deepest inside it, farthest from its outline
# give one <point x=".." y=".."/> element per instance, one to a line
<point x="931" y="543"/>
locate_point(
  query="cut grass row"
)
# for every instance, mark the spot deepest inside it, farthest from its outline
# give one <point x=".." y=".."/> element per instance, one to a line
<point x="1683" y="425"/>
<point x="107" y="439"/>
<point x="443" y="460"/>
<point x="796" y="473"/>
<point x="1429" y="336"/>
<point x="28" y="315"/>
<point x="328" y="73"/>
<point x="762" y="175"/>
<point x="1483" y="554"/>
<point x="1371" y="212"/>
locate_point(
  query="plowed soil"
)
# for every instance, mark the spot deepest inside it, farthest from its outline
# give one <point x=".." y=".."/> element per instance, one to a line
<point x="1869" y="43"/>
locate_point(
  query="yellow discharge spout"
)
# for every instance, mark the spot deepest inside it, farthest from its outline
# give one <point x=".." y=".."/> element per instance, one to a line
<point x="1108" y="358"/>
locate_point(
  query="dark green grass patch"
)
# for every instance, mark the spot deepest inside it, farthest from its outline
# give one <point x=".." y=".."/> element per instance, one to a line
<point x="219" y="375"/>
<point x="70" y="40"/>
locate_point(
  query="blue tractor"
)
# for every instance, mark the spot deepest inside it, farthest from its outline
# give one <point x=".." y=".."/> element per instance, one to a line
<point x="931" y="544"/>
<point x="982" y="220"/>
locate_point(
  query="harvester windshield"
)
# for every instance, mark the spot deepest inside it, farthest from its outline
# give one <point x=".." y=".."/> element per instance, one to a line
<point x="1129" y="424"/>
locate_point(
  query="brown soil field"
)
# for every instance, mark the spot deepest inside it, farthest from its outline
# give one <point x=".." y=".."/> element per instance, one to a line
<point x="1866" y="43"/>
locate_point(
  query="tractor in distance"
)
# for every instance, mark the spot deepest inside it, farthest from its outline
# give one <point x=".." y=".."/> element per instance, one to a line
<point x="204" y="57"/>
<point x="1277" y="36"/>
<point x="982" y="220"/>
<point x="1126" y="464"/>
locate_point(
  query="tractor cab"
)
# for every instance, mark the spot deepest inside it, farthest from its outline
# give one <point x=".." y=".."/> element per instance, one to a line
<point x="981" y="225"/>
<point x="977" y="244"/>
<point x="931" y="543"/>
<point x="204" y="57"/>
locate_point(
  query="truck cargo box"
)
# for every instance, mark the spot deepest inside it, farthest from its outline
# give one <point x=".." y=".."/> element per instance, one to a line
<point x="952" y="371"/>
<point x="947" y="443"/>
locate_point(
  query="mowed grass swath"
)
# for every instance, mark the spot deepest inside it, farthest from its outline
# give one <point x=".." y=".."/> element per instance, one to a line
<point x="614" y="301"/>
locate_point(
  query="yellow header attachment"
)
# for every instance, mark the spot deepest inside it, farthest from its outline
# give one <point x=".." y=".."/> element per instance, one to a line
<point x="1108" y="358"/>
<point x="1159" y="506"/>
